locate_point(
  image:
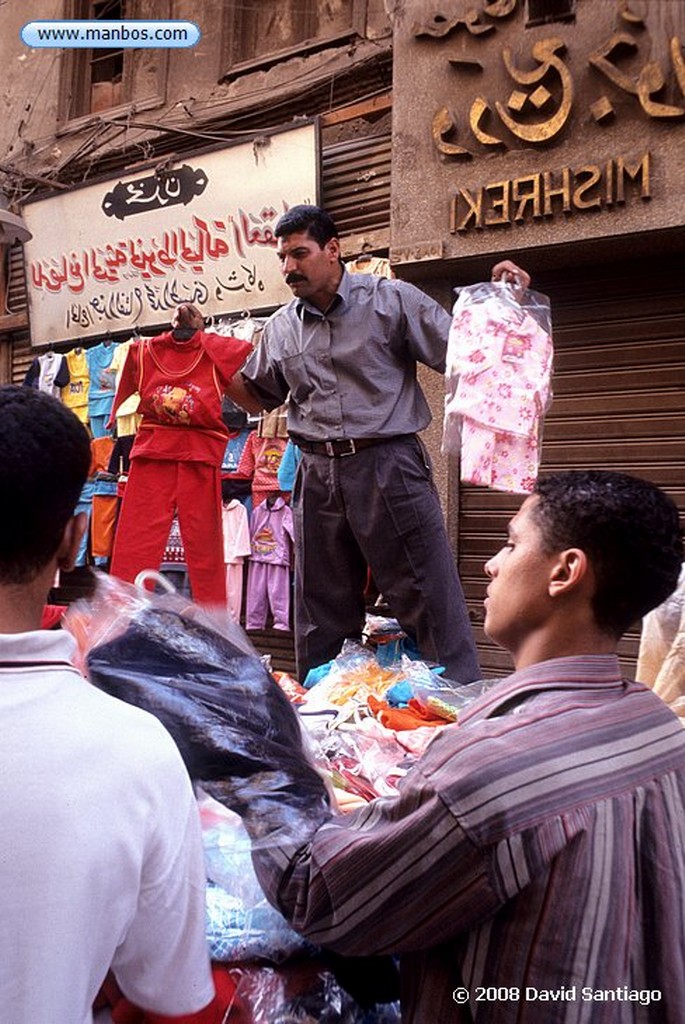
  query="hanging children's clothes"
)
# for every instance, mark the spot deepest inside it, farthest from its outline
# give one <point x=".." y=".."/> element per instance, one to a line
<point x="127" y="419"/>
<point x="234" y="449"/>
<point x="259" y="463"/>
<point x="377" y="265"/>
<point x="236" y="531"/>
<point x="268" y="577"/>
<point x="104" y="501"/>
<point x="174" y="551"/>
<point x="75" y="394"/>
<point x="100" y="451"/>
<point x="499" y="363"/>
<point x="102" y="385"/>
<point x="233" y="485"/>
<point x="176" y="456"/>
<point x="48" y="373"/>
<point x="288" y="467"/>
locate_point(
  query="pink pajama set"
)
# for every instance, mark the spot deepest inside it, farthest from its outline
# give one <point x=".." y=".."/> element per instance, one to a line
<point x="268" y="578"/>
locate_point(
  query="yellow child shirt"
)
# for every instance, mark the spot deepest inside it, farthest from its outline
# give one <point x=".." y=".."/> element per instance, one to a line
<point x="75" y="393"/>
<point x="127" y="418"/>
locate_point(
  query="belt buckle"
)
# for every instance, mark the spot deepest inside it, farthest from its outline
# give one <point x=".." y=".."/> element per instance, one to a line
<point x="352" y="448"/>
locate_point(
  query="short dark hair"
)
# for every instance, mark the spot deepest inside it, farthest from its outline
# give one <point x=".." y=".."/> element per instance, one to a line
<point x="630" y="531"/>
<point x="318" y="224"/>
<point x="44" y="462"/>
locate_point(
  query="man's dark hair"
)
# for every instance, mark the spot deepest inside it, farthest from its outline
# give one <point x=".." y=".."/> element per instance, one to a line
<point x="44" y="462"/>
<point x="318" y="224"/>
<point x="628" y="528"/>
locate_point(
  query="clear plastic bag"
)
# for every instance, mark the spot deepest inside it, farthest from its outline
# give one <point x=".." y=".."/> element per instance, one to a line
<point x="449" y="699"/>
<point x="351" y="677"/>
<point x="241" y="924"/>
<point x="362" y="758"/>
<point x="195" y="670"/>
<point x="498" y="384"/>
<point x="301" y="993"/>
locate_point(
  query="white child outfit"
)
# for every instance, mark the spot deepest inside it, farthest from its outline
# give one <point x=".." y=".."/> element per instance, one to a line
<point x="236" y="530"/>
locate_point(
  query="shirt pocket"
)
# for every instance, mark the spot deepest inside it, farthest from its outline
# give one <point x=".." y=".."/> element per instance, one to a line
<point x="300" y="380"/>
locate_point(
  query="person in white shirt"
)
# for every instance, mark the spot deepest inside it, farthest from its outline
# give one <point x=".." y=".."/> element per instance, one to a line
<point x="101" y="861"/>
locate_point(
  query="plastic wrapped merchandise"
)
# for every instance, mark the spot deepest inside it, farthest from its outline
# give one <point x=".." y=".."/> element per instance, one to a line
<point x="239" y="736"/>
<point x="498" y="384"/>
<point x="241" y="925"/>
<point x="305" y="992"/>
<point x="661" y="658"/>
<point x="450" y="699"/>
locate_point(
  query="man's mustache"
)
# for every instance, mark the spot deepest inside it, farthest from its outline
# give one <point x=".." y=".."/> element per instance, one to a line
<point x="294" y="278"/>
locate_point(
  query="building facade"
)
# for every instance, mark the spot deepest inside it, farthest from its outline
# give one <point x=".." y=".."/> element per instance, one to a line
<point x="445" y="136"/>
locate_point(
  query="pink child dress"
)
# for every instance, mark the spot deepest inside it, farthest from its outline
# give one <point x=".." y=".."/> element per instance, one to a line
<point x="498" y="375"/>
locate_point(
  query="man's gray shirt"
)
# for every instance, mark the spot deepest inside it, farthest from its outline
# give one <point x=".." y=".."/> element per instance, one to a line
<point x="351" y="371"/>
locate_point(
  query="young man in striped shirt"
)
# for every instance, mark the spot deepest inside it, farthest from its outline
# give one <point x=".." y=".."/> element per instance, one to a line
<point x="532" y="867"/>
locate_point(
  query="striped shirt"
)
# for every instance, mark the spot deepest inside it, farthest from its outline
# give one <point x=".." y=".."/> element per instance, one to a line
<point x="351" y="371"/>
<point x="535" y="857"/>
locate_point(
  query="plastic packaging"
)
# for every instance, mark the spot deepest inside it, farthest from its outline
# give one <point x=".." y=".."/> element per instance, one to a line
<point x="302" y="993"/>
<point x="239" y="736"/>
<point x="449" y="699"/>
<point x="498" y="384"/>
<point x="241" y="924"/>
<point x="350" y="678"/>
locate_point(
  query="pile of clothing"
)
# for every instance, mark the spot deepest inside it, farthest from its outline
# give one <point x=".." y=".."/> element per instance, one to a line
<point x="245" y="749"/>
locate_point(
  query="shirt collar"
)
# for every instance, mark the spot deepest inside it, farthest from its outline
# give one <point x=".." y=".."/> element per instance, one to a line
<point x="40" y="645"/>
<point x="340" y="298"/>
<point x="592" y="672"/>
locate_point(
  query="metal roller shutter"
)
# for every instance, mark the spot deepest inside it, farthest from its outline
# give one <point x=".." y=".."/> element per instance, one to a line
<point x="17" y="294"/>
<point x="356" y="184"/>
<point x="619" y="403"/>
<point x="22" y="357"/>
<point x="17" y="302"/>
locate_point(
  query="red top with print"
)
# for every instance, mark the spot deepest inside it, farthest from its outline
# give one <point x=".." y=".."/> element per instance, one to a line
<point x="181" y="384"/>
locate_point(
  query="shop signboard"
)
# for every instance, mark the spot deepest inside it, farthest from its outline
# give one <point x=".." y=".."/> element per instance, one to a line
<point x="123" y="253"/>
<point x="523" y="124"/>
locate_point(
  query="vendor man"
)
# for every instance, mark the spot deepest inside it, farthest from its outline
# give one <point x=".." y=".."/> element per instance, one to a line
<point x="343" y="353"/>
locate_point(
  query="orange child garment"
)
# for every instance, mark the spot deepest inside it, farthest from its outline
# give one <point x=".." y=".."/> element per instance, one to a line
<point x="104" y="502"/>
<point x="411" y="717"/>
<point x="103" y="524"/>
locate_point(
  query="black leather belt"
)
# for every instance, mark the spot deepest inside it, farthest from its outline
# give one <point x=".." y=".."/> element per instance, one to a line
<point x="343" y="446"/>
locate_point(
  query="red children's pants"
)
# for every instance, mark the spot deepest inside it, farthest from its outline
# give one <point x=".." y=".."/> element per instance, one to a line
<point x="156" y="488"/>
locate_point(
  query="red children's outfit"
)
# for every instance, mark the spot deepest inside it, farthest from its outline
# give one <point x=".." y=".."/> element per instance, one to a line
<point x="176" y="457"/>
<point x="259" y="462"/>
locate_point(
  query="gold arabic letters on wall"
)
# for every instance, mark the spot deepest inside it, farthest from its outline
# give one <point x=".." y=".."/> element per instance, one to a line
<point x="544" y="194"/>
<point x="546" y="52"/>
<point x="541" y="101"/>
